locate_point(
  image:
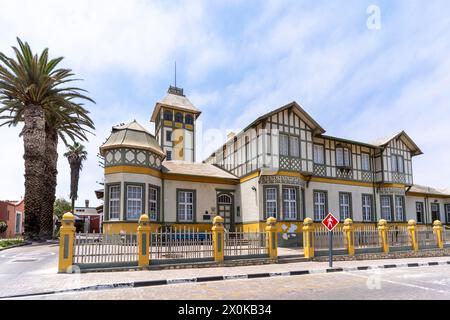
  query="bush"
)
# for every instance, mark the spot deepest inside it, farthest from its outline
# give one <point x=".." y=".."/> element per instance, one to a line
<point x="9" y="242"/>
<point x="79" y="226"/>
<point x="3" y="226"/>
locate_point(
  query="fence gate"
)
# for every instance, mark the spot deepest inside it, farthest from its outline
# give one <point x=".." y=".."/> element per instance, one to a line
<point x="245" y="244"/>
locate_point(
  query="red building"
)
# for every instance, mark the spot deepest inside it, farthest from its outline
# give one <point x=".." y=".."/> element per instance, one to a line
<point x="12" y="212"/>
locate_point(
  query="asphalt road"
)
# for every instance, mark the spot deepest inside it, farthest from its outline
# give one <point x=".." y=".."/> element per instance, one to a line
<point x="384" y="284"/>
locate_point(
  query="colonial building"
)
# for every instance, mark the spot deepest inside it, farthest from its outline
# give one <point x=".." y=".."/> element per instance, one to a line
<point x="282" y="165"/>
<point x="12" y="213"/>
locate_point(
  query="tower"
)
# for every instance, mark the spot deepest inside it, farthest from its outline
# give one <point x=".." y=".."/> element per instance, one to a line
<point x="174" y="118"/>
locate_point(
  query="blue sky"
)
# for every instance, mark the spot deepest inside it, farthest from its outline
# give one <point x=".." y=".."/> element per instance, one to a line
<point x="239" y="59"/>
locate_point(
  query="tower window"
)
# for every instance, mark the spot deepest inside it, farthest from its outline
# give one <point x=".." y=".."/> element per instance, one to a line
<point x="178" y="117"/>
<point x="168" y="136"/>
<point x="189" y="119"/>
<point x="169" y="155"/>
<point x="168" y="115"/>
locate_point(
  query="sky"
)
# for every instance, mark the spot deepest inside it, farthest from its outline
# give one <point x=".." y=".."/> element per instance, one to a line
<point x="362" y="69"/>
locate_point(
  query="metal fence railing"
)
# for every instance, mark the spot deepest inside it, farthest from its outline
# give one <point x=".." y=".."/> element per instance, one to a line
<point x="398" y="236"/>
<point x="446" y="234"/>
<point x="245" y="243"/>
<point x="425" y="236"/>
<point x="321" y="238"/>
<point x="91" y="248"/>
<point x="367" y="237"/>
<point x="183" y="243"/>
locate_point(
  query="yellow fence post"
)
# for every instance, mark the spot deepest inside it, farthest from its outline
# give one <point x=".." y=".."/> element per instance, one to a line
<point x="308" y="238"/>
<point x="66" y="240"/>
<point x="218" y="239"/>
<point x="143" y="235"/>
<point x="383" y="232"/>
<point x="412" y="230"/>
<point x="271" y="233"/>
<point x="437" y="230"/>
<point x="349" y="236"/>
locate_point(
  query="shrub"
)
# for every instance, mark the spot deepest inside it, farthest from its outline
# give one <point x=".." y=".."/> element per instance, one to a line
<point x="3" y="226"/>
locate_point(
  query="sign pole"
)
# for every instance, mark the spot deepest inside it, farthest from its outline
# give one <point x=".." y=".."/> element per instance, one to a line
<point x="330" y="253"/>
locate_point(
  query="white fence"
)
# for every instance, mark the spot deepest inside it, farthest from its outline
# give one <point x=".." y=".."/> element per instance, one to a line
<point x="367" y="237"/>
<point x="398" y="236"/>
<point x="245" y="243"/>
<point x="93" y="248"/>
<point x="425" y="236"/>
<point x="186" y="243"/>
<point x="321" y="238"/>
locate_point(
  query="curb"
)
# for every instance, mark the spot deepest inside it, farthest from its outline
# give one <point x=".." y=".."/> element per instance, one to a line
<point x="151" y="283"/>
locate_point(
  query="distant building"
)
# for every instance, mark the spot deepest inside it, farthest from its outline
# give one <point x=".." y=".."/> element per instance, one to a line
<point x="92" y="220"/>
<point x="11" y="212"/>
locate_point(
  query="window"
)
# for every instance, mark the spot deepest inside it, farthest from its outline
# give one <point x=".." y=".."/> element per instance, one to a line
<point x="342" y="157"/>
<point x="294" y="146"/>
<point x="134" y="202"/>
<point x="386" y="209"/>
<point x="168" y="115"/>
<point x="153" y="204"/>
<point x="18" y="222"/>
<point x="367" y="207"/>
<point x="290" y="203"/>
<point x="318" y="154"/>
<point x="185" y="206"/>
<point x="168" y="135"/>
<point x="419" y="212"/>
<point x="320" y="207"/>
<point x="284" y="145"/>
<point x="189" y="119"/>
<point x="345" y="205"/>
<point x="114" y="202"/>
<point x="365" y="161"/>
<point x="447" y="213"/>
<point x="169" y="155"/>
<point x="397" y="163"/>
<point x="178" y="117"/>
<point x="435" y="214"/>
<point x="399" y="208"/>
<point x="271" y="202"/>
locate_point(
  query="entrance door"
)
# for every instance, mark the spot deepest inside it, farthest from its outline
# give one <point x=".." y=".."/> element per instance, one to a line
<point x="225" y="210"/>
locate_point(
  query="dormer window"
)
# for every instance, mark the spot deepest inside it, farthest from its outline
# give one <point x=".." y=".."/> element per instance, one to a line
<point x="168" y="115"/>
<point x="189" y="119"/>
<point x="343" y="157"/>
<point x="178" y="117"/>
<point x="397" y="163"/>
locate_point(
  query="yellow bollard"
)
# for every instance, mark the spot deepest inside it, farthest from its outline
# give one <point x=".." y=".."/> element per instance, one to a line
<point x="437" y="230"/>
<point x="412" y="230"/>
<point x="66" y="240"/>
<point x="382" y="231"/>
<point x="349" y="236"/>
<point x="308" y="238"/>
<point x="271" y="233"/>
<point x="143" y="234"/>
<point x="218" y="239"/>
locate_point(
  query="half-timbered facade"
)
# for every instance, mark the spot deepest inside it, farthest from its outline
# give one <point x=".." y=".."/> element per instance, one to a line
<point x="281" y="165"/>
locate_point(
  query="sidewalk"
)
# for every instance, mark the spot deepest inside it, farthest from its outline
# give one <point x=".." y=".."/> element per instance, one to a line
<point x="50" y="281"/>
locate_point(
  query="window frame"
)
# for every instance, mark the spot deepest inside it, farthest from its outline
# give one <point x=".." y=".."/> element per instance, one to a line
<point x="349" y="153"/>
<point x="282" y="154"/>
<point x="125" y="197"/>
<point x="167" y="112"/>
<point x="396" y="197"/>
<point x="169" y="155"/>
<point x="390" y="207"/>
<point x="447" y="212"/>
<point x="158" y="202"/>
<point x="107" y="202"/>
<point x="325" y="204"/>
<point x="276" y="201"/>
<point x="350" y="211"/>
<point x="168" y="132"/>
<point x="364" y="207"/>
<point x="194" y="205"/>
<point x="177" y="115"/>
<point x="290" y="146"/>
<point x="190" y="121"/>
<point x="289" y="201"/>
<point x="422" y="213"/>
<point x="368" y="162"/>
<point x="315" y="160"/>
<point x="18" y="213"/>
<point x="438" y="211"/>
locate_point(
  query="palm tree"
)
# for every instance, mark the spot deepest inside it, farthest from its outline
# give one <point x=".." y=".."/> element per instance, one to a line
<point x="75" y="154"/>
<point x="31" y="92"/>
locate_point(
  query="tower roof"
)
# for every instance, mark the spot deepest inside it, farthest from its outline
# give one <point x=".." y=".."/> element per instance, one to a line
<point x="131" y="135"/>
<point x="177" y="100"/>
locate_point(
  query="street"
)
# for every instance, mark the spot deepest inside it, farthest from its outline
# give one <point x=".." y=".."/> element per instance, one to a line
<point x="32" y="269"/>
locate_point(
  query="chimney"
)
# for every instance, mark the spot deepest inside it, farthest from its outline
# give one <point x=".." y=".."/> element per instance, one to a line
<point x="86" y="203"/>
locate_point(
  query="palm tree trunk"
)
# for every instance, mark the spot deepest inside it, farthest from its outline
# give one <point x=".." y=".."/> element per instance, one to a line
<point x="49" y="188"/>
<point x="33" y="134"/>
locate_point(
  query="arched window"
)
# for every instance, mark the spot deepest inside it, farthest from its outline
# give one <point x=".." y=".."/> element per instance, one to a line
<point x="224" y="199"/>
<point x="168" y="115"/>
<point x="189" y="119"/>
<point x="178" y="117"/>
